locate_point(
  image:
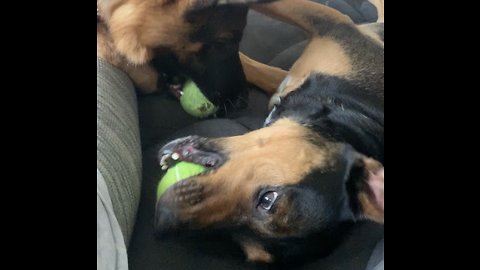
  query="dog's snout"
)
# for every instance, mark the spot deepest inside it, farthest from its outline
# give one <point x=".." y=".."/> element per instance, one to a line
<point x="165" y="220"/>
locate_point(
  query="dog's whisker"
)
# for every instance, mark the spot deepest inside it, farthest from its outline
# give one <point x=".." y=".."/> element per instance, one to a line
<point x="243" y="99"/>
<point x="225" y="108"/>
<point x="233" y="105"/>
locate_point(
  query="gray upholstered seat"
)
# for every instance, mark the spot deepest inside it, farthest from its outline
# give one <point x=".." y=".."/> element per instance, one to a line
<point x="118" y="165"/>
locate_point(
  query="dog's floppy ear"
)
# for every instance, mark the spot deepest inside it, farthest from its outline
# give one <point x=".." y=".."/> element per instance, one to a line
<point x="124" y="20"/>
<point x="255" y="252"/>
<point x="366" y="189"/>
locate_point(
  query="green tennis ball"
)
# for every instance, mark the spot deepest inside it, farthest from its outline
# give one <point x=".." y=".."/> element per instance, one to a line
<point x="194" y="102"/>
<point x="182" y="170"/>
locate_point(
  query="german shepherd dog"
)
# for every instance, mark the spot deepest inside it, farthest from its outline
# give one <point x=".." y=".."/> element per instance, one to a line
<point x="160" y="42"/>
<point x="291" y="188"/>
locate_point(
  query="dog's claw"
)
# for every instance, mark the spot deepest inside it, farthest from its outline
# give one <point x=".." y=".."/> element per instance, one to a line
<point x="167" y="159"/>
<point x="163" y="161"/>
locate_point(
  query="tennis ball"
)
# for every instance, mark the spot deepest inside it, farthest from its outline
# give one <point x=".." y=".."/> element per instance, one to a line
<point x="182" y="170"/>
<point x="194" y="102"/>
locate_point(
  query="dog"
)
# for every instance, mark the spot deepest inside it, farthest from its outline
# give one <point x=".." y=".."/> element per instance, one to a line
<point x="291" y="189"/>
<point x="159" y="43"/>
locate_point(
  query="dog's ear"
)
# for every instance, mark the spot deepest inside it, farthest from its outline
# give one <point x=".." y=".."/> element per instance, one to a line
<point x="365" y="186"/>
<point x="255" y="252"/>
<point x="124" y="20"/>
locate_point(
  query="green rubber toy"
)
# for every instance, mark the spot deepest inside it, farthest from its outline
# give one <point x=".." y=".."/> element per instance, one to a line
<point x="194" y="102"/>
<point x="180" y="171"/>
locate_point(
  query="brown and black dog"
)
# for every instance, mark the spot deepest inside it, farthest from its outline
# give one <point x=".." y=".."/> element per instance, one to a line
<point x="291" y="188"/>
<point x="194" y="38"/>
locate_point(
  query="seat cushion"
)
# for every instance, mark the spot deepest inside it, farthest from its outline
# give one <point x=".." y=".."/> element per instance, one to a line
<point x="111" y="250"/>
<point x="118" y="143"/>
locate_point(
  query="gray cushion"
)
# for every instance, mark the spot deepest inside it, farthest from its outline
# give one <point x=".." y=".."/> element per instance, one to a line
<point x="111" y="250"/>
<point x="118" y="143"/>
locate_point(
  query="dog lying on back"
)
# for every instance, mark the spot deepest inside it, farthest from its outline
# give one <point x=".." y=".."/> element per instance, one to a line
<point x="157" y="41"/>
<point x="289" y="190"/>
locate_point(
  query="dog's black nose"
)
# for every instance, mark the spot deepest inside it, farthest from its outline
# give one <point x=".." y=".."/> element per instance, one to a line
<point x="166" y="221"/>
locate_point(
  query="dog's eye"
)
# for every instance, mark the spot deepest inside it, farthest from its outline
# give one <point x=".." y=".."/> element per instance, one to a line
<point x="267" y="200"/>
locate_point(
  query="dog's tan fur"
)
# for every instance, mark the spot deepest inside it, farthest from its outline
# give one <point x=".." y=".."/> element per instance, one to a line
<point x="266" y="77"/>
<point x="130" y="31"/>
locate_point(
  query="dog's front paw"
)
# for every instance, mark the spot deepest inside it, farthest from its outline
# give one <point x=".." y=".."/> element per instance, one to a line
<point x="145" y="77"/>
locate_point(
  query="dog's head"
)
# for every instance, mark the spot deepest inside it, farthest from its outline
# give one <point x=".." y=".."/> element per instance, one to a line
<point x="284" y="190"/>
<point x="197" y="38"/>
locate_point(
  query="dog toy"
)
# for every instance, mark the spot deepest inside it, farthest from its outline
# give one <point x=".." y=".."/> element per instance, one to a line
<point x="195" y="103"/>
<point x="180" y="171"/>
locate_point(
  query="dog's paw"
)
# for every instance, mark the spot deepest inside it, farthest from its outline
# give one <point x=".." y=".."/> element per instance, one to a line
<point x="145" y="77"/>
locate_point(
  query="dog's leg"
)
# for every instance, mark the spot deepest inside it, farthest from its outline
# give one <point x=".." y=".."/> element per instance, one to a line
<point x="266" y="77"/>
<point x="314" y="18"/>
<point x="337" y="46"/>
<point x="323" y="54"/>
<point x="145" y="77"/>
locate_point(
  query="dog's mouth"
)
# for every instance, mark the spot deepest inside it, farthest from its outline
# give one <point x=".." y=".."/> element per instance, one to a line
<point x="175" y="89"/>
<point x="185" y="194"/>
<point x="174" y="84"/>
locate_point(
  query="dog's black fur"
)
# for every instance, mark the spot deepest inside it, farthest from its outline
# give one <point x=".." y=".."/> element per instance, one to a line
<point x="338" y="109"/>
<point x="216" y="68"/>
